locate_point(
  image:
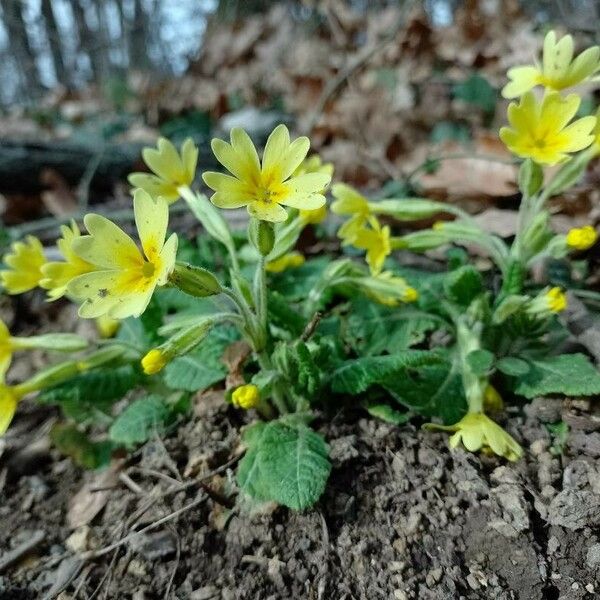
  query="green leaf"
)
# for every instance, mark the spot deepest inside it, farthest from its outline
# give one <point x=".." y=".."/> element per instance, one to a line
<point x="386" y="413"/>
<point x="356" y="376"/>
<point x="286" y="462"/>
<point x="463" y="285"/>
<point x="511" y="365"/>
<point x="139" y="421"/>
<point x="480" y="361"/>
<point x="430" y="390"/>
<point x="203" y="367"/>
<point x="295" y="284"/>
<point x="568" y="374"/>
<point x="372" y="329"/>
<point x="77" y="445"/>
<point x="85" y="396"/>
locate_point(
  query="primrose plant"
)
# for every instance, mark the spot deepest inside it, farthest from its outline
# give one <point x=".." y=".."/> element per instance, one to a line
<point x="178" y="317"/>
<point x="501" y="328"/>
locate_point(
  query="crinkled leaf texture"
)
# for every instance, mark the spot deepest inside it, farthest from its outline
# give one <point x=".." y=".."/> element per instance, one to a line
<point x="286" y="461"/>
<point x="203" y="367"/>
<point x="85" y="396"/>
<point x="569" y="374"/>
<point x="140" y="421"/>
<point x="356" y="376"/>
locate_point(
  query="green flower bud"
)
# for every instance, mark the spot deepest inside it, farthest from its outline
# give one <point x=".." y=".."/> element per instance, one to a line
<point x="409" y="209"/>
<point x="194" y="281"/>
<point x="262" y="235"/>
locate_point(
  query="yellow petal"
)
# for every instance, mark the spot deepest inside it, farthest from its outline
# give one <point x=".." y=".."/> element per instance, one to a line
<point x="267" y="211"/>
<point x="522" y="79"/>
<point x="276" y="146"/>
<point x="151" y="220"/>
<point x="247" y="155"/>
<point x="165" y="161"/>
<point x="168" y="255"/>
<point x="8" y="407"/>
<point x="107" y="246"/>
<point x="189" y="159"/>
<point x="294" y="156"/>
<point x="154" y="185"/>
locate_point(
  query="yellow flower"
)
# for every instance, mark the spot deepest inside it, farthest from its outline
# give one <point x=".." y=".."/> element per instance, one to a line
<point x="58" y="274"/>
<point x="246" y="396"/>
<point x="9" y="398"/>
<point x="25" y="262"/>
<point x="314" y="164"/>
<point x="558" y="70"/>
<point x="376" y="241"/>
<point x="595" y="149"/>
<point x="107" y="327"/>
<point x="125" y="278"/>
<point x="171" y="170"/>
<point x="476" y="432"/>
<point x="539" y="130"/>
<point x="582" y="238"/>
<point x="291" y="260"/>
<point x="154" y="361"/>
<point x="264" y="188"/>
<point x="350" y="203"/>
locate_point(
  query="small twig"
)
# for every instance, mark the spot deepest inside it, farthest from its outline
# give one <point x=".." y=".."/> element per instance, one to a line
<point x="177" y="558"/>
<point x="12" y="556"/>
<point x="102" y="551"/>
<point x="132" y="485"/>
<point x="311" y="327"/>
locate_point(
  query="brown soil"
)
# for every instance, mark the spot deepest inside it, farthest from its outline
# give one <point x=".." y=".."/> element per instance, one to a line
<point x="402" y="518"/>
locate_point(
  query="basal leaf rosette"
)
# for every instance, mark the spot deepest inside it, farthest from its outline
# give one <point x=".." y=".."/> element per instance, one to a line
<point x="125" y="277"/>
<point x="265" y="187"/>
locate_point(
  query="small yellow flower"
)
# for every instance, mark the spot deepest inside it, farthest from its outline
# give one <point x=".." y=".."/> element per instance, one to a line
<point x="314" y="164"/>
<point x="154" y="361"/>
<point x="58" y="274"/>
<point x="171" y="170"/>
<point x="376" y="241"/>
<point x="540" y="130"/>
<point x="350" y="203"/>
<point x="595" y="149"/>
<point x="291" y="260"/>
<point x="581" y="238"/>
<point x="476" y="432"/>
<point x="125" y="278"/>
<point x="107" y="327"/>
<point x="264" y="188"/>
<point x="410" y="295"/>
<point x="558" y="70"/>
<point x="246" y="396"/>
<point x="25" y="261"/>
<point x="9" y="398"/>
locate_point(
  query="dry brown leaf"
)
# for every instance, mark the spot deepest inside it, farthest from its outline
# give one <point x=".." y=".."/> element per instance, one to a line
<point x="92" y="497"/>
<point x="234" y="357"/>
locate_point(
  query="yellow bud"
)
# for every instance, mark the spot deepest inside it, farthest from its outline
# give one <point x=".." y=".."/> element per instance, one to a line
<point x="492" y="400"/>
<point x="438" y="226"/>
<point x="154" y="361"/>
<point x="292" y="260"/>
<point x="246" y="396"/>
<point x="107" y="326"/>
<point x="556" y="299"/>
<point x="582" y="238"/>
<point x="410" y="295"/>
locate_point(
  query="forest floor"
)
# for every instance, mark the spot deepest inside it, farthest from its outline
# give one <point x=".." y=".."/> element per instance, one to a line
<point x="402" y="517"/>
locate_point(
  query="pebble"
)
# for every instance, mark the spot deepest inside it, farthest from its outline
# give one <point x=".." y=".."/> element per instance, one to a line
<point x="593" y="556"/>
<point x="208" y="592"/>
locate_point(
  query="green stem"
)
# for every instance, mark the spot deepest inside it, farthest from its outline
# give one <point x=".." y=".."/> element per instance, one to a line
<point x="468" y="340"/>
<point x="261" y="298"/>
<point x="277" y="393"/>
